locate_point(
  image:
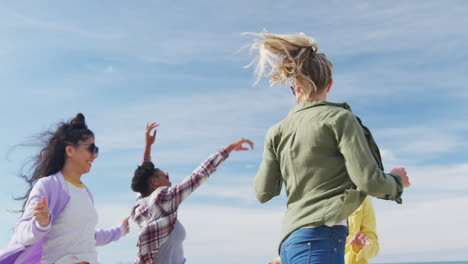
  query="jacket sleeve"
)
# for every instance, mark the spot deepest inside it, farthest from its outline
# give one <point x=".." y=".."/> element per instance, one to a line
<point x="268" y="180"/>
<point x="368" y="228"/>
<point x="27" y="230"/>
<point x="104" y="237"/>
<point x="361" y="165"/>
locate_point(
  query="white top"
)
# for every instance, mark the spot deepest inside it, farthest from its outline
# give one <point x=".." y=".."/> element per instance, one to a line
<point x="343" y="222"/>
<point x="71" y="237"/>
<point x="172" y="252"/>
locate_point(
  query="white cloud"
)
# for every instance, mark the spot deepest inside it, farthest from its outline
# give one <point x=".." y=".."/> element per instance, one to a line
<point x="423" y="228"/>
<point x="442" y="177"/>
<point x="423" y="140"/>
<point x="388" y="156"/>
<point x="196" y="121"/>
<point x="57" y="26"/>
<point x="235" y="192"/>
<point x="236" y="235"/>
<point x="109" y="69"/>
<point x="250" y="235"/>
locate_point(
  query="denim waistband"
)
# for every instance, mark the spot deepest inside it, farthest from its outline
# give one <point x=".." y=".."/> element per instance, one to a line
<point x="333" y="232"/>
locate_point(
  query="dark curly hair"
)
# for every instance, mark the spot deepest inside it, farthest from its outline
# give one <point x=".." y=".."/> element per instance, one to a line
<point x="51" y="158"/>
<point x="141" y="176"/>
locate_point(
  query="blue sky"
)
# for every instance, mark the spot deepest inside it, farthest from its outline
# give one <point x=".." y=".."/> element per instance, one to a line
<point x="401" y="66"/>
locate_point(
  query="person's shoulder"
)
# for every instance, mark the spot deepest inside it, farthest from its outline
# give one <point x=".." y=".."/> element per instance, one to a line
<point x="339" y="114"/>
<point x="338" y="109"/>
<point x="336" y="117"/>
<point x="273" y="130"/>
<point x="49" y="180"/>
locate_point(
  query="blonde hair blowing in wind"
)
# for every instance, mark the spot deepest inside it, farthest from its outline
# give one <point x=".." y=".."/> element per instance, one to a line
<point x="289" y="59"/>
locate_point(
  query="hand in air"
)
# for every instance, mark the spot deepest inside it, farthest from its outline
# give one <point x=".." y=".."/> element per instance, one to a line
<point x="238" y="145"/>
<point x="41" y="212"/>
<point x="151" y="137"/>
<point x="404" y="176"/>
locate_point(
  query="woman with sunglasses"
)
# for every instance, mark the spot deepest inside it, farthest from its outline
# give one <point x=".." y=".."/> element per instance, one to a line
<point x="327" y="160"/>
<point x="155" y="212"/>
<point x="58" y="216"/>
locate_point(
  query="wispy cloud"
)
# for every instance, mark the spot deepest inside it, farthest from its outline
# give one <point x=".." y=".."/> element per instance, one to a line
<point x="234" y="192"/>
<point x="400" y="231"/>
<point x="199" y="120"/>
<point x="109" y="69"/>
<point x="422" y="141"/>
<point x="442" y="177"/>
<point x="418" y="227"/>
<point x="203" y="225"/>
<point x="57" y="26"/>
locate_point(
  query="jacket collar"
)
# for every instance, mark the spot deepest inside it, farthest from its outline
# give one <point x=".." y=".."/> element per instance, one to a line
<point x="309" y="104"/>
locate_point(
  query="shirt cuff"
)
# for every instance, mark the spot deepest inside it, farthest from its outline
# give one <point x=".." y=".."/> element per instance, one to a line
<point x="43" y="228"/>
<point x="223" y="153"/>
<point x="399" y="184"/>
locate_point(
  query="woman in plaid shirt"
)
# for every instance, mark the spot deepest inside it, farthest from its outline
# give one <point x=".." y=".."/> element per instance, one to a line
<point x="155" y="212"/>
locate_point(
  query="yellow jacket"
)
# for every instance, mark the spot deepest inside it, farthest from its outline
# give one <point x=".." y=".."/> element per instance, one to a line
<point x="362" y="220"/>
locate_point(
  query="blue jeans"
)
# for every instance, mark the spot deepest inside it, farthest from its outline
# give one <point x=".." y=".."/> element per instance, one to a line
<point x="320" y="245"/>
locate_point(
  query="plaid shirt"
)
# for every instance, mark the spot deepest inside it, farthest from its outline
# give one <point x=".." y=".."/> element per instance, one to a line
<point x="157" y="213"/>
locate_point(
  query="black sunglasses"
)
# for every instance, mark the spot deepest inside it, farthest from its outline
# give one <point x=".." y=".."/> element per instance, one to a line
<point x="93" y="149"/>
<point x="293" y="91"/>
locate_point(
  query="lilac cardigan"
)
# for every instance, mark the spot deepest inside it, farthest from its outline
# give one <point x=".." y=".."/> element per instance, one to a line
<point x="28" y="240"/>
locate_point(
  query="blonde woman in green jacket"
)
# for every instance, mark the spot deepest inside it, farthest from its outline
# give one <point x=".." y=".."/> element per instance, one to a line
<point x="326" y="158"/>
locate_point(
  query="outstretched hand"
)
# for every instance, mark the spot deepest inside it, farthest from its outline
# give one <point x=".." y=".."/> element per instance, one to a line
<point x="237" y="146"/>
<point x="151" y="137"/>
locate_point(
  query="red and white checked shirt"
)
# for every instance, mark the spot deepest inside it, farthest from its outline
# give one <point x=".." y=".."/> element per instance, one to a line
<point x="156" y="214"/>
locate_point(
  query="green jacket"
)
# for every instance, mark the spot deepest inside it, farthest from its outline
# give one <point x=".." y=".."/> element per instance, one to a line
<point x="328" y="161"/>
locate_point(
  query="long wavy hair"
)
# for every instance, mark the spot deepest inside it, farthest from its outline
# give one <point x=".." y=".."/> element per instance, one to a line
<point x="289" y="59"/>
<point x="51" y="157"/>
